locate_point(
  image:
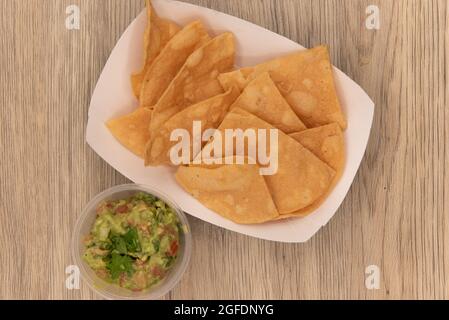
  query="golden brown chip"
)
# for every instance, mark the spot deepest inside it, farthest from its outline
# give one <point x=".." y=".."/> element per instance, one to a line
<point x="301" y="177"/>
<point x="209" y="112"/>
<point x="168" y="63"/>
<point x="157" y="34"/>
<point x="236" y="192"/>
<point x="131" y="130"/>
<point x="262" y="98"/>
<point x="309" y="209"/>
<point x="305" y="79"/>
<point x="326" y="143"/>
<point x="197" y="79"/>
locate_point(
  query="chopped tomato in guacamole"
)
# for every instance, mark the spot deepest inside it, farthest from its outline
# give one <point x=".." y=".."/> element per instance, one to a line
<point x="134" y="242"/>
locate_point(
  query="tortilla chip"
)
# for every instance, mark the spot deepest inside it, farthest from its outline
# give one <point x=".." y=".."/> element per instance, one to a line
<point x="131" y="130"/>
<point x="168" y="63"/>
<point x="197" y="79"/>
<point x="262" y="98"/>
<point x="326" y="143"/>
<point x="236" y="192"/>
<point x="210" y="112"/>
<point x="301" y="177"/>
<point x="308" y="210"/>
<point x="305" y="79"/>
<point x="157" y="34"/>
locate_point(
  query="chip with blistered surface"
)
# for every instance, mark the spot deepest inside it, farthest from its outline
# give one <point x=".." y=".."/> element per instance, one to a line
<point x="168" y="63"/>
<point x="262" y="98"/>
<point x="237" y="192"/>
<point x="306" y="81"/>
<point x="197" y="79"/>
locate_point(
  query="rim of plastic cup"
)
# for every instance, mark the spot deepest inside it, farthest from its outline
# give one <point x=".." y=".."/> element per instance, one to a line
<point x="150" y="294"/>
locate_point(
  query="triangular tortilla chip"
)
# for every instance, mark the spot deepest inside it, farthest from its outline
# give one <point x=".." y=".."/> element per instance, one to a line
<point x="326" y="143"/>
<point x="168" y="63"/>
<point x="309" y="209"/>
<point x="318" y="202"/>
<point x="131" y="130"/>
<point x="262" y="98"/>
<point x="157" y="34"/>
<point x="301" y="177"/>
<point x="236" y="192"/>
<point x="305" y="79"/>
<point x="197" y="80"/>
<point x="210" y="112"/>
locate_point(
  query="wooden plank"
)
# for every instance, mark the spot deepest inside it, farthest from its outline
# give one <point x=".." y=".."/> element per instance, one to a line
<point x="395" y="215"/>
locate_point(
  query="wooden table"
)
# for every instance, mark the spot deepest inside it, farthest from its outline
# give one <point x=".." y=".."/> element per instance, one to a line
<point x="395" y="215"/>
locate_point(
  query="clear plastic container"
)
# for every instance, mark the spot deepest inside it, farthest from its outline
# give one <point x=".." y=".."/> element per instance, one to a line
<point x="112" y="291"/>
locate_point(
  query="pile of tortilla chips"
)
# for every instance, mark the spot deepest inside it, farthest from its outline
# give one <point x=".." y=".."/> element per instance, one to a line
<point x="188" y="75"/>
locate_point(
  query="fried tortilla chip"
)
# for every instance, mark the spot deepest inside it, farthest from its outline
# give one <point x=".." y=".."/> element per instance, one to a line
<point x="262" y="98"/>
<point x="301" y="177"/>
<point x="168" y="63"/>
<point x="209" y="112"/>
<point x="157" y="34"/>
<point x="236" y="192"/>
<point x="326" y="143"/>
<point x="131" y="130"/>
<point x="306" y="81"/>
<point x="309" y="209"/>
<point x="197" y="79"/>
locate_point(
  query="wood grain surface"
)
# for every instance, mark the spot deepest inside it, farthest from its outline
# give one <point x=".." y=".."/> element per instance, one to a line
<point x="395" y="215"/>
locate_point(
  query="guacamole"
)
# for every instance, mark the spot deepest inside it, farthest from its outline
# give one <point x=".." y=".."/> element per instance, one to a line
<point x="134" y="242"/>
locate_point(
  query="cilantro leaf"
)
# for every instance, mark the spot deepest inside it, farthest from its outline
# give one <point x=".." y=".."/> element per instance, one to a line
<point x="123" y="244"/>
<point x="118" y="244"/>
<point x="131" y="239"/>
<point x="169" y="261"/>
<point x="148" y="198"/>
<point x="156" y="244"/>
<point x="120" y="264"/>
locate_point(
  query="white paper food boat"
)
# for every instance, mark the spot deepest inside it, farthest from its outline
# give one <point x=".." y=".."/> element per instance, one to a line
<point x="113" y="97"/>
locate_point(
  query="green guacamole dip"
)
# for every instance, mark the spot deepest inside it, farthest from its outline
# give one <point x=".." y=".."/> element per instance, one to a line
<point x="134" y="242"/>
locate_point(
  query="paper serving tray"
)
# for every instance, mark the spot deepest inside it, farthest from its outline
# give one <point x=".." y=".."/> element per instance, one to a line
<point x="113" y="97"/>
